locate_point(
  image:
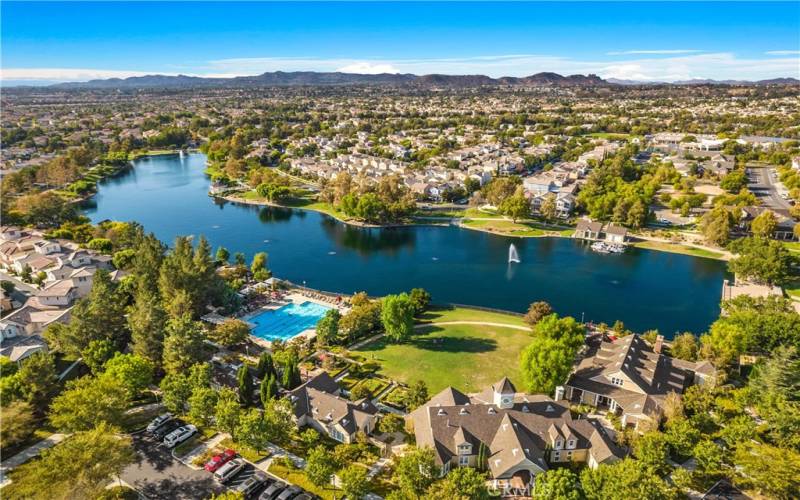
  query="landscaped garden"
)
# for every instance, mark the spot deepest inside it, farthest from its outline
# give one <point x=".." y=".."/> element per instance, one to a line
<point x="468" y="357"/>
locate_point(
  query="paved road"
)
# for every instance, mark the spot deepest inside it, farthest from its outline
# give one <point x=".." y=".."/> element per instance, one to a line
<point x="158" y="475"/>
<point x="762" y="184"/>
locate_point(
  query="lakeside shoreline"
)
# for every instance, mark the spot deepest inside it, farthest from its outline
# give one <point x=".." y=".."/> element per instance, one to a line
<point x="640" y="241"/>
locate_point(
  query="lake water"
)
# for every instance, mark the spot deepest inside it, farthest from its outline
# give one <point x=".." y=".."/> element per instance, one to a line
<point x="645" y="289"/>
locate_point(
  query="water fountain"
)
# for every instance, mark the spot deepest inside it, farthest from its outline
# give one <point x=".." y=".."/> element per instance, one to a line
<point x="513" y="255"/>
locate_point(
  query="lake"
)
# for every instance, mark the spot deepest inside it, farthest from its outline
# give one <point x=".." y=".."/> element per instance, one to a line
<point x="643" y="288"/>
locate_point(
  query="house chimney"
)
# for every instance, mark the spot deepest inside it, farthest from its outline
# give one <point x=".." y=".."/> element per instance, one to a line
<point x="659" y="344"/>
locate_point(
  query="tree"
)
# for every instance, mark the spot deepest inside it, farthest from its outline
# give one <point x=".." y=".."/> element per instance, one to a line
<point x="764" y="224"/>
<point x="546" y="363"/>
<point x="38" y="380"/>
<point x="222" y="255"/>
<point x="100" y="315"/>
<point x="202" y="404"/>
<point x="417" y="395"/>
<point x="279" y="420"/>
<point x="391" y="423"/>
<point x="420" y="299"/>
<point x="651" y="449"/>
<point x="709" y="459"/>
<point x="516" y="207"/>
<point x="245" y="381"/>
<point x="175" y="391"/>
<point x="716" y="225"/>
<point x="734" y="181"/>
<point x="537" y="311"/>
<point x="548" y="207"/>
<point x="239" y="259"/>
<point x="79" y="467"/>
<point x="183" y="344"/>
<point x="354" y="481"/>
<point x="463" y="483"/>
<point x="684" y="346"/>
<point x="19" y="423"/>
<point x="88" y="402"/>
<point x="682" y="436"/>
<point x="761" y="260"/>
<point x="778" y="376"/>
<point x="557" y="484"/>
<point x="328" y="327"/>
<point x="268" y="389"/>
<point x="259" y="263"/>
<point x="320" y="466"/>
<point x="97" y="353"/>
<point x="252" y="430"/>
<point x="265" y="366"/>
<point x="627" y="478"/>
<point x="773" y="471"/>
<point x="231" y="332"/>
<point x="147" y="321"/>
<point x="397" y="316"/>
<point x="227" y="411"/>
<point x="416" y="471"/>
<point x="291" y="375"/>
<point x="133" y="372"/>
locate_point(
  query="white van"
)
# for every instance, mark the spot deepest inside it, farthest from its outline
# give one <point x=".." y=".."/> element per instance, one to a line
<point x="229" y="470"/>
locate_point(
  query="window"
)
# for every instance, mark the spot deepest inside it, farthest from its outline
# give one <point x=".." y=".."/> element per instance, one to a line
<point x="571" y="444"/>
<point x="335" y="434"/>
<point x="569" y="455"/>
<point x="616" y="381"/>
<point x="558" y="444"/>
<point x="556" y="456"/>
<point x="463" y="460"/>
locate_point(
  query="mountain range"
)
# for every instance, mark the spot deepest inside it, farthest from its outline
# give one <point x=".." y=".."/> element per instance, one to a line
<point x="313" y="78"/>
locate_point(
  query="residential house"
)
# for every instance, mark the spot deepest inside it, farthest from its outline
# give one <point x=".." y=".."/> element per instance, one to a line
<point x="514" y="435"/>
<point x="319" y="403"/>
<point x="628" y="378"/>
<point x="588" y="230"/>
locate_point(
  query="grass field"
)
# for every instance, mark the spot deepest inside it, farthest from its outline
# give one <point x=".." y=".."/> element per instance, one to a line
<point x="792" y="246"/>
<point x="442" y="314"/>
<point x="510" y="228"/>
<point x="677" y="248"/>
<point x="468" y="357"/>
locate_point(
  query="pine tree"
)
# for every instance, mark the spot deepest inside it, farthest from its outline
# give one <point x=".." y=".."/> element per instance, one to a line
<point x="291" y="375"/>
<point x="147" y="321"/>
<point x="147" y="262"/>
<point x="266" y="366"/>
<point x="183" y="344"/>
<point x="269" y="389"/>
<point x="245" y="385"/>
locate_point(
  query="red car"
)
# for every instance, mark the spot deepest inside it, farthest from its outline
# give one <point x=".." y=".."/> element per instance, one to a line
<point x="218" y="461"/>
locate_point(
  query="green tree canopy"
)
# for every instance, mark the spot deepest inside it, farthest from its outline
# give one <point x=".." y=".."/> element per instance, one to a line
<point x="397" y="316"/>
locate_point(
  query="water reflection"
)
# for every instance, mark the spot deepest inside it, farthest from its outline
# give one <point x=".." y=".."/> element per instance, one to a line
<point x="367" y="241"/>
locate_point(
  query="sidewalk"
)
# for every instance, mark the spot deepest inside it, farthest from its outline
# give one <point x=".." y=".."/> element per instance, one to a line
<point x="27" y="454"/>
<point x="200" y="449"/>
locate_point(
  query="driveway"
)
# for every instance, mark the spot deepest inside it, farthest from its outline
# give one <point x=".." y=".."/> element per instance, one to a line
<point x="158" y="475"/>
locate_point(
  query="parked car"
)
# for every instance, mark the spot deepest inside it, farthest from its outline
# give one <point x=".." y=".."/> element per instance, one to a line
<point x="229" y="470"/>
<point x="304" y="496"/>
<point x="273" y="490"/>
<point x="179" y="435"/>
<point x="158" y="422"/>
<point x="289" y="493"/>
<point x="251" y="484"/>
<point x="166" y="429"/>
<point x="219" y="460"/>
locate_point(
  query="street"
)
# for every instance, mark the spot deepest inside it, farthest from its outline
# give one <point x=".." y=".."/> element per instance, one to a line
<point x="761" y="181"/>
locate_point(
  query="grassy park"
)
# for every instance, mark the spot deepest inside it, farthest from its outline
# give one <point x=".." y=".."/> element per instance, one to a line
<point x="468" y="357"/>
<point x="511" y="228"/>
<point x="678" y="248"/>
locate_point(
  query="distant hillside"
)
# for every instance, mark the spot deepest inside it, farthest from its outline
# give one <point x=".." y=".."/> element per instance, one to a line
<point x="312" y="78"/>
<point x="697" y="81"/>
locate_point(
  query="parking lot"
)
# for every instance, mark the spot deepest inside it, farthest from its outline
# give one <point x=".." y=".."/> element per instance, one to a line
<point x="156" y="474"/>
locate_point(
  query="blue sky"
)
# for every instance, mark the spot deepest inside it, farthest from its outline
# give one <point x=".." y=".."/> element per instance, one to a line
<point x="70" y="41"/>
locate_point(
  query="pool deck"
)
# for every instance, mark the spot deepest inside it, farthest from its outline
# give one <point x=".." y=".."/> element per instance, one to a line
<point x="292" y="297"/>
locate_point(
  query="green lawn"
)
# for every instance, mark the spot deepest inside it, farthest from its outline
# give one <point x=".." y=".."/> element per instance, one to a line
<point x="678" y="248"/>
<point x="519" y="229"/>
<point x="468" y="357"/>
<point x="298" y="477"/>
<point x="792" y="289"/>
<point x="792" y="246"/>
<point x="441" y="314"/>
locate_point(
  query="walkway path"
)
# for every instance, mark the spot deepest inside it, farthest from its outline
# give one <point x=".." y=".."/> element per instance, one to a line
<point x="480" y="323"/>
<point x="203" y="447"/>
<point x="27" y="454"/>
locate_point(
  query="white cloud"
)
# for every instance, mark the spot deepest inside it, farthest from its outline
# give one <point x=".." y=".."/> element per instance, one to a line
<point x="368" y="68"/>
<point x="653" y="52"/>
<point x="782" y="52"/>
<point x="719" y="66"/>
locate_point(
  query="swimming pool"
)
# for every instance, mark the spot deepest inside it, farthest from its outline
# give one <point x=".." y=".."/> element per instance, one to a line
<point x="286" y="322"/>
